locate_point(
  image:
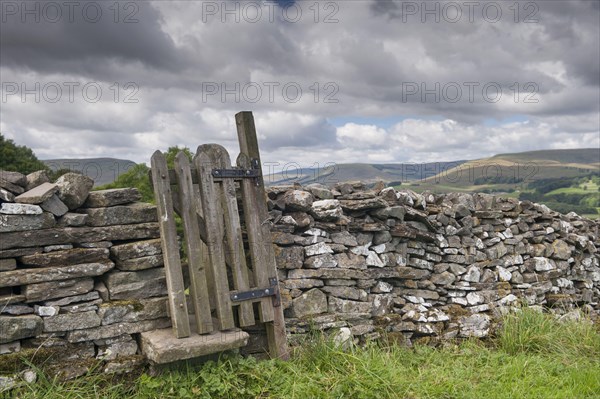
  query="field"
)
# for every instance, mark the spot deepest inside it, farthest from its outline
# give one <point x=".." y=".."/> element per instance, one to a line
<point x="532" y="356"/>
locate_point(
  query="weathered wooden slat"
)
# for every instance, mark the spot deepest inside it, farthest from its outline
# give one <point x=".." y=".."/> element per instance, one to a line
<point x="170" y="248"/>
<point x="213" y="217"/>
<point x="255" y="241"/>
<point x="248" y="141"/>
<point x="233" y="234"/>
<point x="198" y="284"/>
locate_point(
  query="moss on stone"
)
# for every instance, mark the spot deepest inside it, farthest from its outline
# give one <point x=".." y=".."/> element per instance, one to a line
<point x="135" y="304"/>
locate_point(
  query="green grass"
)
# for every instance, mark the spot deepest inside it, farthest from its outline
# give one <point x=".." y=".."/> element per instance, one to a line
<point x="534" y="356"/>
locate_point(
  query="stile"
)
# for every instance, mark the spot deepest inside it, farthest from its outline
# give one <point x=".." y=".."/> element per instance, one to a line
<point x="198" y="283"/>
<point x="170" y="248"/>
<point x="213" y="217"/>
<point x="233" y="234"/>
<point x="248" y="141"/>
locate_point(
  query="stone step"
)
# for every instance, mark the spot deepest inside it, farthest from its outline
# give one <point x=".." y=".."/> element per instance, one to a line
<point x="161" y="346"/>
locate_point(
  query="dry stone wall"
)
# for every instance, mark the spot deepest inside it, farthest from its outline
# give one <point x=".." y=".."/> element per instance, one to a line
<point x="81" y="273"/>
<point x="367" y="262"/>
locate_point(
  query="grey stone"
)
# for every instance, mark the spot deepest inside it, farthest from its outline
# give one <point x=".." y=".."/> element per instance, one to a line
<point x="146" y="262"/>
<point x="53" y="248"/>
<point x="328" y="209"/>
<point x="138" y="212"/>
<point x="21" y="223"/>
<point x="41" y="275"/>
<point x="289" y="257"/>
<point x="16" y="309"/>
<point x="382" y="288"/>
<point x="70" y="322"/>
<point x="58" y="289"/>
<point x="10" y="347"/>
<point x="319" y="191"/>
<point x="561" y="250"/>
<point x="337" y="305"/>
<point x="351" y="261"/>
<point x="19" y="327"/>
<point x="343" y="338"/>
<point x="477" y="325"/>
<point x="114" y="330"/>
<point x="13" y="188"/>
<point x="344" y="238"/>
<point x="74" y="235"/>
<point x="35" y="179"/>
<point x="472" y="275"/>
<point x="310" y="303"/>
<point x="38" y="194"/>
<point x="73" y="189"/>
<point x="374" y="260"/>
<point x="117" y="349"/>
<point x="302" y="283"/>
<point x="136" y="249"/>
<point x="8" y="264"/>
<point x="73" y="220"/>
<point x="46" y="311"/>
<point x="90" y="296"/>
<point x="55" y="206"/>
<point x="135" y="285"/>
<point x="445" y="278"/>
<point x="318" y="249"/>
<point x="20" y="209"/>
<point x="297" y="200"/>
<point x="13" y="177"/>
<point x="382" y="237"/>
<point x="356" y="294"/>
<point x="319" y="261"/>
<point x="112" y="197"/>
<point x="6" y="195"/>
<point x="540" y="264"/>
<point x="363" y="204"/>
<point x="98" y="244"/>
<point x="132" y="311"/>
<point x="66" y="257"/>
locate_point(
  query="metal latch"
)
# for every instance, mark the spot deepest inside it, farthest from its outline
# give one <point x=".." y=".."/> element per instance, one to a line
<point x="272" y="290"/>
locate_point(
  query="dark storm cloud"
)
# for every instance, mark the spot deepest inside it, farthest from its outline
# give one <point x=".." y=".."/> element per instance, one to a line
<point x="89" y="42"/>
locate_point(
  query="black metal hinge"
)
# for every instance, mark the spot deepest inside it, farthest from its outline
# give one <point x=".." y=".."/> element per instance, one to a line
<point x="272" y="290"/>
<point x="236" y="173"/>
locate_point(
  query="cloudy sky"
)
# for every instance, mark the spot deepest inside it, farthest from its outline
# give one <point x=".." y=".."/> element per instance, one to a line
<point x="328" y="81"/>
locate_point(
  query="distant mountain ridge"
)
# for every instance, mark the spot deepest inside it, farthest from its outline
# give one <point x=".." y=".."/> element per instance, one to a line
<point x="101" y="170"/>
<point x="459" y="174"/>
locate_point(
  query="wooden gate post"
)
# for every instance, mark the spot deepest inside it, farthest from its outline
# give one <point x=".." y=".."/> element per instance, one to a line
<point x="246" y="131"/>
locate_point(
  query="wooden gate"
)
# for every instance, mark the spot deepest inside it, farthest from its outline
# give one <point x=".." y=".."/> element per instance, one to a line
<point x="229" y="250"/>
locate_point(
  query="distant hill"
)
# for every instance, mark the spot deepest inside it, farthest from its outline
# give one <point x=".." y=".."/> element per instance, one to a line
<point x="370" y="173"/>
<point x="505" y="171"/>
<point x="102" y="170"/>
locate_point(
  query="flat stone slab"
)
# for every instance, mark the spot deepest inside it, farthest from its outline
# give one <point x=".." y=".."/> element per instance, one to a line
<point x="21" y="223"/>
<point x="38" y="194"/>
<point x="74" y="235"/>
<point x="112" y="197"/>
<point x="161" y="346"/>
<point x="20" y="209"/>
<point x="138" y="212"/>
<point x="65" y="257"/>
<point x="58" y="289"/>
<point x="45" y="274"/>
